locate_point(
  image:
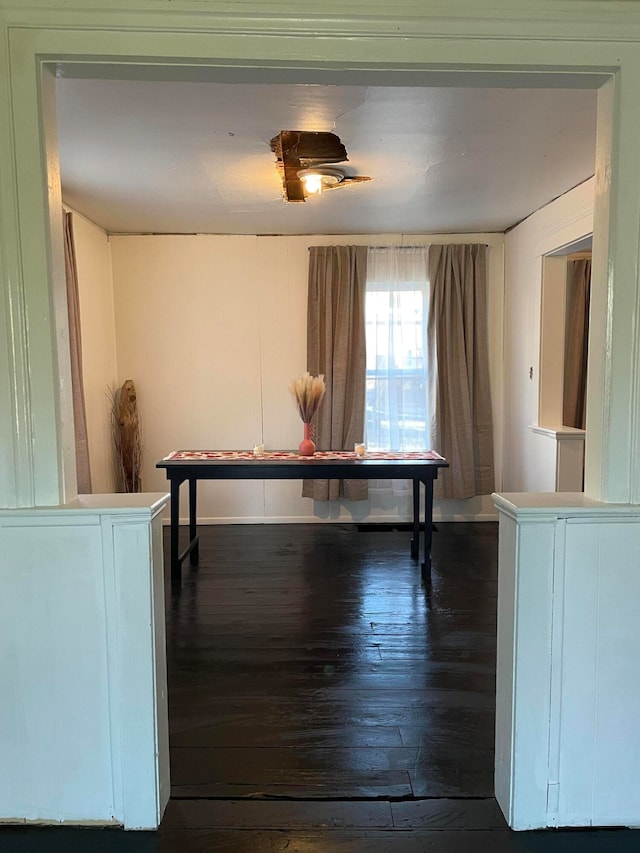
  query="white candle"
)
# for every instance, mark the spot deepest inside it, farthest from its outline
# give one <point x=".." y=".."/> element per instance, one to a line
<point x="258" y="450"/>
<point x="359" y="449"/>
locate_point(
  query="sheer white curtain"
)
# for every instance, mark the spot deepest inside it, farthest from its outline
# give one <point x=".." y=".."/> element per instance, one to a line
<point x="397" y="302"/>
<point x="427" y="362"/>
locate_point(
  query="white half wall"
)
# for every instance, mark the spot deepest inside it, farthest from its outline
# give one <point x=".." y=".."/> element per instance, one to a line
<point x="83" y="722"/>
<point x="212" y="329"/>
<point x="567" y="687"/>
<point x="529" y="460"/>
<point x="99" y="366"/>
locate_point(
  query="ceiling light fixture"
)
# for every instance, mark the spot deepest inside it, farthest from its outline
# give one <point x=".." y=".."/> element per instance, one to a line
<point x="319" y="178"/>
<point x="305" y="161"/>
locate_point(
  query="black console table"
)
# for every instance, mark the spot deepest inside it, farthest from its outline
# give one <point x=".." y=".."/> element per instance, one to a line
<point x="193" y="465"/>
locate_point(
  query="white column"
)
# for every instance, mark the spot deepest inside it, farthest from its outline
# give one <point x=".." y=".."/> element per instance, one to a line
<point x="612" y="462"/>
<point x="36" y="414"/>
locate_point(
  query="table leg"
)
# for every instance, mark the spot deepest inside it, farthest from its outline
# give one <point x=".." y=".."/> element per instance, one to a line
<point x="175" y="531"/>
<point x="415" y="542"/>
<point x="428" y="528"/>
<point x="194" y="554"/>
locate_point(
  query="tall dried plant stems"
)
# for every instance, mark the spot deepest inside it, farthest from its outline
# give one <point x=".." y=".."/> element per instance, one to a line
<point x="126" y="438"/>
<point x="308" y="392"/>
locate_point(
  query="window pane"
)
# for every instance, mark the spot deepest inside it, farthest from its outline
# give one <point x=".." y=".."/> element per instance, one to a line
<point x="396" y="391"/>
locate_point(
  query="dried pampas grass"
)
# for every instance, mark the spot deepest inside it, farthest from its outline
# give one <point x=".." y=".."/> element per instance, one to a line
<point x="308" y="392"/>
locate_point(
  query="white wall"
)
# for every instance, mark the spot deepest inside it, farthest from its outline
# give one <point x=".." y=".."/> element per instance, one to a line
<point x="212" y="329"/>
<point x="529" y="458"/>
<point x="99" y="367"/>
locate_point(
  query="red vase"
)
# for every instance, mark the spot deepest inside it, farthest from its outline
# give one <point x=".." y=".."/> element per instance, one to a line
<point x="306" y="446"/>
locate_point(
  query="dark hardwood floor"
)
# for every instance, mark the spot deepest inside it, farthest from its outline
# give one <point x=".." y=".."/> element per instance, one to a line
<point x="322" y="700"/>
<point x="306" y="662"/>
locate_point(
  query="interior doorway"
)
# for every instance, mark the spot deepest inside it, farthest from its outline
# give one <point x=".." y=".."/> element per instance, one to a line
<point x="490" y="615"/>
<point x="564" y="342"/>
<point x="576" y="342"/>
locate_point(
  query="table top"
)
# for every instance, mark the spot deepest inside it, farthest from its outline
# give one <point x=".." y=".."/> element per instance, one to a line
<point x="285" y="464"/>
<point x="293" y="456"/>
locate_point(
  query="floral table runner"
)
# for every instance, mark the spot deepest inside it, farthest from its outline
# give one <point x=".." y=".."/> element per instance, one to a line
<point x="291" y="455"/>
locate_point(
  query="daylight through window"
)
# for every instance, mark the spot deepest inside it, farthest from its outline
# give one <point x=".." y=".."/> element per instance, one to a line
<point x="397" y="302"/>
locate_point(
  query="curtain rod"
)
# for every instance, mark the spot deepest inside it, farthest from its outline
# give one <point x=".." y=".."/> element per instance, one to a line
<point x="398" y="245"/>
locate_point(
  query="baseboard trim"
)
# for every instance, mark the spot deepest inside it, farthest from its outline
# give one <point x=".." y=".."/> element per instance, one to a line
<point x="312" y="519"/>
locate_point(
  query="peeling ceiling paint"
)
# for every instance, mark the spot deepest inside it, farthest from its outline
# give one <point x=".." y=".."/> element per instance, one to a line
<point x="194" y="157"/>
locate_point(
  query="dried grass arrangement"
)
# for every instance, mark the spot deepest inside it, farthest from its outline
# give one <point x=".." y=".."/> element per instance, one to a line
<point x="308" y="392"/>
<point x="126" y="438"/>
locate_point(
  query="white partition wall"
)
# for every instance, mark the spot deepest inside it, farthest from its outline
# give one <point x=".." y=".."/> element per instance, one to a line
<point x="83" y="721"/>
<point x="530" y="457"/>
<point x="568" y="691"/>
<point x="560" y="458"/>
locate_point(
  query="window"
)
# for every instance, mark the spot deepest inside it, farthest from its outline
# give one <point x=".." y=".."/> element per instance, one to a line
<point x="396" y="416"/>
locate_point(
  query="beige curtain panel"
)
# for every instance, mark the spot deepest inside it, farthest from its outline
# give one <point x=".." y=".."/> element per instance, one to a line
<point x="336" y="347"/>
<point x="574" y="408"/>
<point x="83" y="470"/>
<point x="459" y="370"/>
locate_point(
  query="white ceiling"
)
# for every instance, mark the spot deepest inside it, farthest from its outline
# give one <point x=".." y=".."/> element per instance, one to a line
<point x="194" y="157"/>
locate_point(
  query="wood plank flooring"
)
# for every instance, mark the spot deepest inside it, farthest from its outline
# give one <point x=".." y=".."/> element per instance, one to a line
<point x="323" y="701"/>
<point x="307" y="662"/>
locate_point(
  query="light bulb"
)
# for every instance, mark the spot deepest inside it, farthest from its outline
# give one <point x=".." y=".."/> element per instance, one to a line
<point x="313" y="183"/>
<point x="318" y="178"/>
